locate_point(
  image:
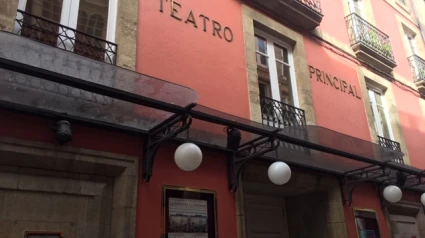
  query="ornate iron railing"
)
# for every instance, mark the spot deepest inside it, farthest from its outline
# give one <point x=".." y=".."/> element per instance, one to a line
<point x="392" y="145"/>
<point x="57" y="35"/>
<point x="313" y="4"/>
<point x="361" y="31"/>
<point x="417" y="65"/>
<point x="278" y="114"/>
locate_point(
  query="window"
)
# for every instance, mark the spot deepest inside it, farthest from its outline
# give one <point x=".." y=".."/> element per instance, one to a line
<point x="411" y="43"/>
<point x="356" y="6"/>
<point x="380" y="113"/>
<point x="88" y="16"/>
<point x="275" y="69"/>
<point x="367" y="224"/>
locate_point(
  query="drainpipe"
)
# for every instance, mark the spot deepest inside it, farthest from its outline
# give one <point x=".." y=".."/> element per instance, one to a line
<point x="421" y="27"/>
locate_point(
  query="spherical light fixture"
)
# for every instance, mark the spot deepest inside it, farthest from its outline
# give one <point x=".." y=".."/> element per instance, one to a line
<point x="188" y="156"/>
<point x="279" y="173"/>
<point x="423" y="199"/>
<point x="392" y="194"/>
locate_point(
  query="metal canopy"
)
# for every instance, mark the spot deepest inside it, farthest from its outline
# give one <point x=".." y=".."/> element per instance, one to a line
<point x="43" y="80"/>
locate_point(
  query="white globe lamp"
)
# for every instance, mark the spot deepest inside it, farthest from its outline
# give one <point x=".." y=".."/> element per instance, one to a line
<point x="392" y="194"/>
<point x="423" y="199"/>
<point x="279" y="173"/>
<point x="188" y="156"/>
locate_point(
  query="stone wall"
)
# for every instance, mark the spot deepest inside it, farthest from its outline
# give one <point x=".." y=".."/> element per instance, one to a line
<point x="82" y="193"/>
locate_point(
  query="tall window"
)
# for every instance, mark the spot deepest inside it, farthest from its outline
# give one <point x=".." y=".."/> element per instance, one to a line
<point x="356" y="6"/>
<point x="367" y="224"/>
<point x="275" y="69"/>
<point x="380" y="113"/>
<point x="89" y="17"/>
<point x="411" y="43"/>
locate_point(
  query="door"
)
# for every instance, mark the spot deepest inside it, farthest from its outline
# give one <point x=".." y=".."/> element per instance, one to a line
<point x="265" y="217"/>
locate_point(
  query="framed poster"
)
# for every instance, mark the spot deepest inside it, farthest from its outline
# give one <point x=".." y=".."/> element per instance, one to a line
<point x="188" y="213"/>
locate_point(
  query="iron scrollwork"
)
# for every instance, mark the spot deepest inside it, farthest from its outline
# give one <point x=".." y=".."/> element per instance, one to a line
<point x="161" y="133"/>
<point x="57" y="35"/>
<point x="417" y="66"/>
<point x="247" y="151"/>
<point x="361" y="31"/>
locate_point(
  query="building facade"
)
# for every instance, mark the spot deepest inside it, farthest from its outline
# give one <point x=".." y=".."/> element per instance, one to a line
<point x="97" y="97"/>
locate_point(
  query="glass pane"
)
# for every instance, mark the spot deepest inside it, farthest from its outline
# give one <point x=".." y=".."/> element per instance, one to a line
<point x="93" y="17"/>
<point x="42" y="30"/>
<point x="281" y="53"/>
<point x="284" y="80"/>
<point x="378" y="98"/>
<point x="263" y="89"/>
<point x="384" y="123"/>
<point x="260" y="45"/>
<point x="262" y="60"/>
<point x="374" y="119"/>
<point x="49" y="9"/>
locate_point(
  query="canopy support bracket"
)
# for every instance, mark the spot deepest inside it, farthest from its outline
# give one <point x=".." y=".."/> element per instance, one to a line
<point x="250" y="150"/>
<point x="158" y="135"/>
<point x="355" y="177"/>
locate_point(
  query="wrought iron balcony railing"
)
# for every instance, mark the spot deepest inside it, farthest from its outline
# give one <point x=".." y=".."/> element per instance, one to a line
<point x="313" y="4"/>
<point x="417" y="65"/>
<point x="66" y="38"/>
<point x="361" y="31"/>
<point x="392" y="145"/>
<point x="278" y="114"/>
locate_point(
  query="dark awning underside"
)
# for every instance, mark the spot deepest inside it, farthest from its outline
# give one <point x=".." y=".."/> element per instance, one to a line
<point x="43" y="80"/>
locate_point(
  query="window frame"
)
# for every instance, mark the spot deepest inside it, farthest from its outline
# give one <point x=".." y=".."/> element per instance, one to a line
<point x="69" y="16"/>
<point x="371" y="89"/>
<point x="411" y="43"/>
<point x="271" y="60"/>
<point x="366" y="210"/>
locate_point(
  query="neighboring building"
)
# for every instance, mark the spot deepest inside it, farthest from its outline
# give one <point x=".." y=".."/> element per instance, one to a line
<point x="96" y="96"/>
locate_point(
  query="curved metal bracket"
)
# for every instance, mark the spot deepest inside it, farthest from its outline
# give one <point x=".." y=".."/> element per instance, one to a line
<point x="355" y="177"/>
<point x="247" y="151"/>
<point x="159" y="134"/>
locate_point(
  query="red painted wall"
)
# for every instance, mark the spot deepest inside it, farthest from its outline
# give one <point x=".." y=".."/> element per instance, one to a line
<point x="386" y="21"/>
<point x="335" y="109"/>
<point x="333" y="22"/>
<point x="211" y="175"/>
<point x="365" y="197"/>
<point x="412" y="123"/>
<point x="38" y="129"/>
<point x="179" y="52"/>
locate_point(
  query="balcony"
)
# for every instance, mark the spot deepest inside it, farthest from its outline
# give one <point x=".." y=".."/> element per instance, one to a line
<point x="306" y="14"/>
<point x="390" y="144"/>
<point x="279" y="115"/>
<point x="63" y="37"/>
<point x="370" y="44"/>
<point x="417" y="65"/>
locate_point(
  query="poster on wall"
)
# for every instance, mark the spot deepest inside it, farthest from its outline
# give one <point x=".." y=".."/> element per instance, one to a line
<point x="188" y="218"/>
<point x="189" y="213"/>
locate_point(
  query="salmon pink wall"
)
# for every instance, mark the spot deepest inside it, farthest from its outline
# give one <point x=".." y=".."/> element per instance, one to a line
<point x="412" y="122"/>
<point x="211" y="175"/>
<point x="386" y="21"/>
<point x="179" y="52"/>
<point x="335" y="109"/>
<point x="333" y="22"/>
<point x="365" y="196"/>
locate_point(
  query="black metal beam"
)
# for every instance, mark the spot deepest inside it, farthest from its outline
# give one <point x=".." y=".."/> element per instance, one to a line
<point x="164" y="106"/>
